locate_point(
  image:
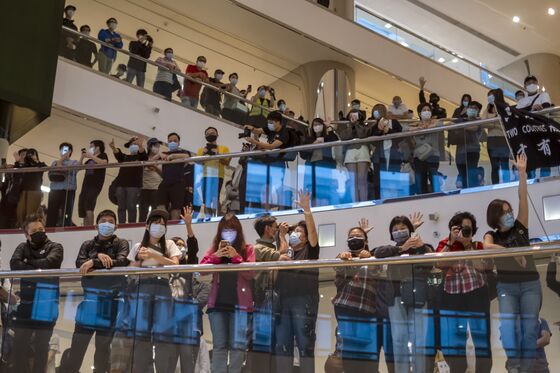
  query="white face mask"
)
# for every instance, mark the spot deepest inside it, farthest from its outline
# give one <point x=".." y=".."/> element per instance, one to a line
<point x="219" y="76"/>
<point x="157" y="230"/>
<point x="271" y="126"/>
<point x="532" y="88"/>
<point x="233" y="81"/>
<point x="426" y="115"/>
<point x="200" y="64"/>
<point x="112" y="26"/>
<point x="295" y="239"/>
<point x="376" y="114"/>
<point x="169" y="56"/>
<point x="70" y="14"/>
<point x="155" y="150"/>
<point x="91" y="150"/>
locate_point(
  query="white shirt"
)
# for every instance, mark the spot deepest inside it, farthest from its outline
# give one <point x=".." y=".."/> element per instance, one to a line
<point x="527" y="101"/>
<point x="401" y="110"/>
<point x="170" y="251"/>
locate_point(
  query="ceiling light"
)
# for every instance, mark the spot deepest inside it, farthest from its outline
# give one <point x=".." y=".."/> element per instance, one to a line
<point x="441" y="60"/>
<point x="551" y="11"/>
<point x="322" y="84"/>
<point x="388" y="25"/>
<point x="490" y="76"/>
<point x="516" y="19"/>
<point x="455" y="60"/>
<point x="404" y="44"/>
<point x="45" y="189"/>
<point x="318" y="91"/>
<point x="349" y="93"/>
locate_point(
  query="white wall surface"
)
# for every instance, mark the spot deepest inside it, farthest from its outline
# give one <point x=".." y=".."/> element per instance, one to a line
<point x="366" y="45"/>
<point x="344" y="219"/>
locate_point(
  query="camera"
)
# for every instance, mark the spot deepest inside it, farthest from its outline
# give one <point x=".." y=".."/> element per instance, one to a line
<point x="466" y="231"/>
<point x="246" y="133"/>
<point x="211" y="149"/>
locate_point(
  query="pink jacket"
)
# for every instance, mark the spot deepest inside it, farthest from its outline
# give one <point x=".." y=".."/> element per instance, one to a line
<point x="244" y="279"/>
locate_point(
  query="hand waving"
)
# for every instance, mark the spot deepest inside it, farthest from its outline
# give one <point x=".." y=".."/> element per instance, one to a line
<point x="521" y="163"/>
<point x="364" y="224"/>
<point x="187" y="214"/>
<point x="304" y="201"/>
<point x="417" y="220"/>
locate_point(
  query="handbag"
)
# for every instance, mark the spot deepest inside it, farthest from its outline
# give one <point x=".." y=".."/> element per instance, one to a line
<point x="176" y="84"/>
<point x="177" y="285"/>
<point x="423" y="152"/>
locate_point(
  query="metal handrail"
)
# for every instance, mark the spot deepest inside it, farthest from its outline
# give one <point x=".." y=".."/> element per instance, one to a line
<point x="153" y="63"/>
<point x="491" y="72"/>
<point x="287" y="265"/>
<point x="258" y="153"/>
<point x="264" y="153"/>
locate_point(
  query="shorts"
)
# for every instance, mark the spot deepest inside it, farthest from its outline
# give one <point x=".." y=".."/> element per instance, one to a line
<point x="171" y="196"/>
<point x="87" y="200"/>
<point x="360" y="154"/>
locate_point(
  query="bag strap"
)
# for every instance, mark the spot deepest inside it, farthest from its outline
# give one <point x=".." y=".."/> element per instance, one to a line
<point x="534" y="100"/>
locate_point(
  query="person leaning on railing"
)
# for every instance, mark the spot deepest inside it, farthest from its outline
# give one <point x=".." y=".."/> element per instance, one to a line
<point x="143" y="48"/>
<point x="234" y="110"/>
<point x="104" y="251"/>
<point x="36" y="314"/>
<point x="498" y="148"/>
<point x="107" y="56"/>
<point x="166" y="80"/>
<point x="86" y="49"/>
<point x="190" y="96"/>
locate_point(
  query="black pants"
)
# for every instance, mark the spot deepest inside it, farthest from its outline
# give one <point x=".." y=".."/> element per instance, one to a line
<point x="80" y="342"/>
<point x="425" y="171"/>
<point x="456" y="311"/>
<point x="31" y="349"/>
<point x="163" y="88"/>
<point x="60" y="207"/>
<point x="148" y="198"/>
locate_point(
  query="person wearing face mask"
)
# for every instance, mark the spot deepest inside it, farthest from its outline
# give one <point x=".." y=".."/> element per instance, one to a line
<point x="151" y="179"/>
<point x="149" y="330"/>
<point x="357" y="158"/>
<point x="437" y="111"/>
<point x="398" y="110"/>
<point x="426" y="152"/>
<point x="233" y="109"/>
<point x="191" y="89"/>
<point x="498" y="148"/>
<point x="128" y="182"/>
<point x="282" y="107"/>
<point x="211" y="99"/>
<point x="30" y="194"/>
<point x="143" y="48"/>
<point x="165" y="78"/>
<point x="519" y="95"/>
<point x="107" y="55"/>
<point x="104" y="251"/>
<point x="465" y="302"/>
<point x="535" y="100"/>
<point x="231" y="297"/>
<point x="93" y="180"/>
<point x="36" y="314"/>
<point x="86" y="49"/>
<point x="298" y="292"/>
<point x="67" y="39"/>
<point x="386" y="156"/>
<point x="461" y="111"/>
<point x="63" y="189"/>
<point x="173" y="186"/>
<point x="468" y="141"/>
<point x="121" y="70"/>
<point x="407" y="296"/>
<point x="355" y="306"/>
<point x="258" y="114"/>
<point x="519" y="288"/>
<point x="320" y="164"/>
<point x="212" y="171"/>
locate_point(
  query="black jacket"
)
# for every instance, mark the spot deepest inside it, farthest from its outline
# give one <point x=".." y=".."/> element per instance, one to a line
<point x="26" y="257"/>
<point x="142" y="50"/>
<point x="551" y="281"/>
<point x="116" y="248"/>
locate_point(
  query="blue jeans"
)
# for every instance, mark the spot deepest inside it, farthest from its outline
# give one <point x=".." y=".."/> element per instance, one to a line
<point x="408" y="328"/>
<point x="229" y="335"/>
<point x="297" y="320"/>
<point x="191" y="102"/>
<point x="519" y="304"/>
<point x="140" y="76"/>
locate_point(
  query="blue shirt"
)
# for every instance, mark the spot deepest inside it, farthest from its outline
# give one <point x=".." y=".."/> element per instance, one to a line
<point x="69" y="182"/>
<point x="107" y="34"/>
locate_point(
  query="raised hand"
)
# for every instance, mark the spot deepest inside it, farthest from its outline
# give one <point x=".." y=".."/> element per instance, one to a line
<point x="304" y="201"/>
<point x="417" y="220"/>
<point x="187" y="215"/>
<point x="521" y="163"/>
<point x="364" y="224"/>
<point x="422" y="82"/>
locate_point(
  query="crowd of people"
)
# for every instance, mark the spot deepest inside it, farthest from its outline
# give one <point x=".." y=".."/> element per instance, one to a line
<point x="262" y="320"/>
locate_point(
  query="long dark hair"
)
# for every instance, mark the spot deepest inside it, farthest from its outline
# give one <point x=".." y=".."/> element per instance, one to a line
<point x="366" y="247"/>
<point x="312" y="134"/>
<point x="230" y="221"/>
<point x="146" y="239"/>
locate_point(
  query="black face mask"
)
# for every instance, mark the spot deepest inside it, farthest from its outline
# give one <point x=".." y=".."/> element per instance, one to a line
<point x="211" y="138"/>
<point x="38" y="238"/>
<point x="356" y="243"/>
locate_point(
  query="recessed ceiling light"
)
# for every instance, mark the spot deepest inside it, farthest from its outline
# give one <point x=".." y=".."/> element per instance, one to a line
<point x="551" y="11"/>
<point x="388" y="25"/>
<point x="516" y="19"/>
<point x="455" y="60"/>
<point x="441" y="60"/>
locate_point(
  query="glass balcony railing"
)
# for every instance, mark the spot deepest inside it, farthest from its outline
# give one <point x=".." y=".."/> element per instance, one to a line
<point x="350" y="163"/>
<point x="451" y="59"/>
<point x="382" y="311"/>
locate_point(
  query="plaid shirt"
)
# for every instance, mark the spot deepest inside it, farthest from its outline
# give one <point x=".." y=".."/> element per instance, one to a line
<point x="461" y="276"/>
<point x="356" y="288"/>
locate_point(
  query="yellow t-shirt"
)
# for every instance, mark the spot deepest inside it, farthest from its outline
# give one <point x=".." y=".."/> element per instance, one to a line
<point x="215" y="168"/>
